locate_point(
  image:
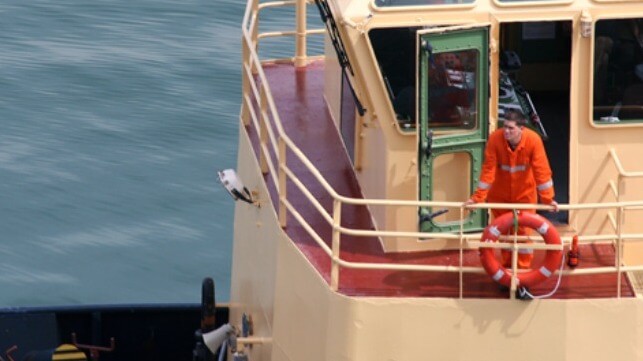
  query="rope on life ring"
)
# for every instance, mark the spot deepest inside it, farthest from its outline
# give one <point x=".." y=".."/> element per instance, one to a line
<point x="501" y="225"/>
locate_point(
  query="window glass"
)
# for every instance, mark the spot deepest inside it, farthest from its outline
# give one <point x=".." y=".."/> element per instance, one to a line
<point x="392" y="3"/>
<point x="453" y="89"/>
<point x="522" y="1"/>
<point x="394" y="49"/>
<point x="618" y="71"/>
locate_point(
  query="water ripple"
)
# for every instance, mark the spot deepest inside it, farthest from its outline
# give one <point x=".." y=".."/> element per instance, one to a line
<point x="115" y="115"/>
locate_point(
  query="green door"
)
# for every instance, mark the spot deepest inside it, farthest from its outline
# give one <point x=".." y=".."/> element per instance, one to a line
<point x="453" y="108"/>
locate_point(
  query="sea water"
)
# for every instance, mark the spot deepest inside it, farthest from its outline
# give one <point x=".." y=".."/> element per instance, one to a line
<point x="114" y="117"/>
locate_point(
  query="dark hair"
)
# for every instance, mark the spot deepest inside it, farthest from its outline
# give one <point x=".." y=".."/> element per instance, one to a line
<point x="516" y="116"/>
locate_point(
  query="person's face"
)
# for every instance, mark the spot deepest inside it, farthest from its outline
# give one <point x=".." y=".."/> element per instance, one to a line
<point x="512" y="131"/>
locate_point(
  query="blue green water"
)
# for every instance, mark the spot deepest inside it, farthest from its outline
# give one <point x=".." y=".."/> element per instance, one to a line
<point x="114" y="117"/>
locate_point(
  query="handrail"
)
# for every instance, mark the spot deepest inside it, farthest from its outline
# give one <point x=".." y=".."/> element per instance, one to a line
<point x="618" y="222"/>
<point x="273" y="34"/>
<point x="620" y="168"/>
<point x="268" y="121"/>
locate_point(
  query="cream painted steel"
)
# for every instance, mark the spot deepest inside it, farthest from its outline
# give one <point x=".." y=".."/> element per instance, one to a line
<point x="337" y="218"/>
<point x="264" y="130"/>
<point x="274" y="4"/>
<point x="250" y="294"/>
<point x="253" y="340"/>
<point x="622" y="175"/>
<point x="461" y="255"/>
<point x="282" y="182"/>
<point x="263" y="135"/>
<point x="512" y="13"/>
<point x="272" y="34"/>
<point x="284" y="173"/>
<point x="333" y="252"/>
<point x="300" y="43"/>
<point x="618" y="223"/>
<point x="277" y="285"/>
<point x="306" y="320"/>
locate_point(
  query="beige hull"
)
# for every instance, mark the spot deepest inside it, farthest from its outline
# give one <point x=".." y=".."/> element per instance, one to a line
<point x="293" y="307"/>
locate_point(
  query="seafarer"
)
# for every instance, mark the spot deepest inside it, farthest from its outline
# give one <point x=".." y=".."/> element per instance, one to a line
<point x="515" y="170"/>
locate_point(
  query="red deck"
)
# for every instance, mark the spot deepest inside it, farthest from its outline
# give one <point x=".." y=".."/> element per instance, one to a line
<point x="299" y="98"/>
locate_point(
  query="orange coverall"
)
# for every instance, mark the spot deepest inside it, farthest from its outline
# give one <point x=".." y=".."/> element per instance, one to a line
<point x="515" y="176"/>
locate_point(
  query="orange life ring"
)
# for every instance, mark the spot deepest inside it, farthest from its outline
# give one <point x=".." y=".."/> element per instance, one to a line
<point x="501" y="225"/>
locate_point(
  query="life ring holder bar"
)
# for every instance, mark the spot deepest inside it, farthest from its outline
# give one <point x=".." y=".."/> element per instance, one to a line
<point x="519" y="238"/>
<point x="530" y="206"/>
<point x="507" y="245"/>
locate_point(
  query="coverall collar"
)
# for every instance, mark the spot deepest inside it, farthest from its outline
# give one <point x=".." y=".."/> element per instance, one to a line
<point x="518" y="146"/>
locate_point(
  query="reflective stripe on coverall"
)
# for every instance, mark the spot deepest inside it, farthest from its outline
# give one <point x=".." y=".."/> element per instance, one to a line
<point x="515" y="176"/>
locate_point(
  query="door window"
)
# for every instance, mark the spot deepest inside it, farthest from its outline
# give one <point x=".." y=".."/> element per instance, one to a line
<point x="452" y="102"/>
<point x="453" y="108"/>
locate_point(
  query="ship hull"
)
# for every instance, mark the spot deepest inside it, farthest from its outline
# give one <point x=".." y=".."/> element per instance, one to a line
<point x="292" y="303"/>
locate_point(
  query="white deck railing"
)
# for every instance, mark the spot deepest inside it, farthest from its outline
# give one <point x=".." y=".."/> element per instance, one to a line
<point x="273" y="139"/>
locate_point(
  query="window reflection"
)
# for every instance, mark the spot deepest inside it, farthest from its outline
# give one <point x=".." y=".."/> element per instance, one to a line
<point x="453" y="89"/>
<point x="618" y="71"/>
<point x="392" y="3"/>
<point x="521" y="1"/>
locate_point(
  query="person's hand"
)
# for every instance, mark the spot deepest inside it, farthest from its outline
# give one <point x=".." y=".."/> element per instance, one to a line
<point x="555" y="205"/>
<point x="468" y="202"/>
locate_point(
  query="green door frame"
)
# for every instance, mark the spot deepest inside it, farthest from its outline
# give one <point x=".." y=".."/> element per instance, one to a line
<point x="467" y="137"/>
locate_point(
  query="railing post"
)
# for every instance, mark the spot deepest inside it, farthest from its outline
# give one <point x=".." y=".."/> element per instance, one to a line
<point x="263" y="130"/>
<point x="619" y="249"/>
<point x="254" y="32"/>
<point x="282" y="182"/>
<point x="300" y="43"/>
<point x="245" y="82"/>
<point x="514" y="262"/>
<point x="334" y="266"/>
<point x="619" y="187"/>
<point x="460" y="274"/>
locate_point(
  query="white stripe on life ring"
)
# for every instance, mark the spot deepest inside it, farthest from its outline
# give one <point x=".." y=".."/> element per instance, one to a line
<point x="543" y="228"/>
<point x="496" y="277"/>
<point x="494" y="231"/>
<point x="544" y="271"/>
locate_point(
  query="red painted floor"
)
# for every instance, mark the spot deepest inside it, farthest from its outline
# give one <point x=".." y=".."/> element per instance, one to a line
<point x="298" y="94"/>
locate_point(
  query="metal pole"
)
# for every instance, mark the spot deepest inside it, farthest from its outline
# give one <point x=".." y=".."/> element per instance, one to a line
<point x="619" y="249"/>
<point x="263" y="130"/>
<point x="282" y="182"/>
<point x="514" y="259"/>
<point x="245" y="82"/>
<point x="461" y="275"/>
<point x="254" y="31"/>
<point x="334" y="270"/>
<point x="300" y="43"/>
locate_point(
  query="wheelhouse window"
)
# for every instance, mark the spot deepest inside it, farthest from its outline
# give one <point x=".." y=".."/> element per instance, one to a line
<point x="618" y="71"/>
<point x="394" y="49"/>
<point x="393" y="3"/>
<point x="518" y="2"/>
